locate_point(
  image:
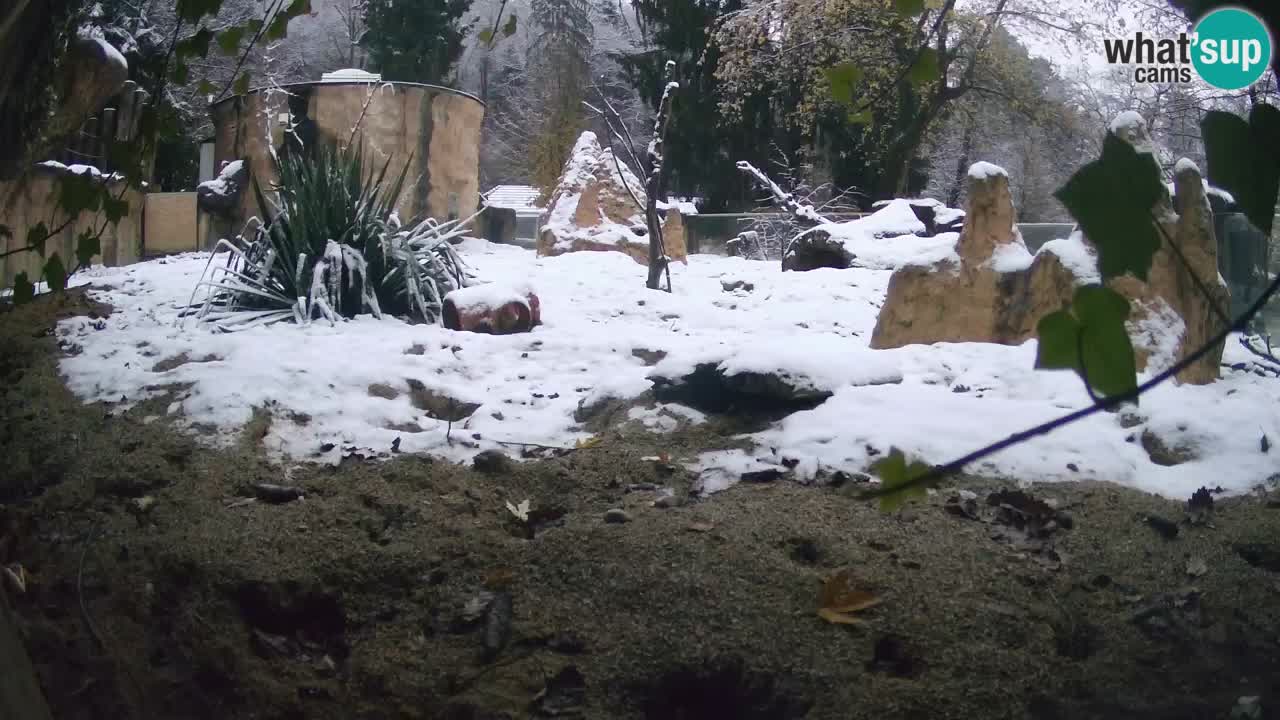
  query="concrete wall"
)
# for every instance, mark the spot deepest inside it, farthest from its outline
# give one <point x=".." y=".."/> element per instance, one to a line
<point x="434" y="131"/>
<point x="25" y="203"/>
<point x="171" y="224"/>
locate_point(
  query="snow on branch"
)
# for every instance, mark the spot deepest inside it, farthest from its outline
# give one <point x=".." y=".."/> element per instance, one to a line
<point x="804" y="212"/>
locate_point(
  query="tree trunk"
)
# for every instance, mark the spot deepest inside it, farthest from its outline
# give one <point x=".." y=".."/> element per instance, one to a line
<point x="962" y="163"/>
<point x="655" y="184"/>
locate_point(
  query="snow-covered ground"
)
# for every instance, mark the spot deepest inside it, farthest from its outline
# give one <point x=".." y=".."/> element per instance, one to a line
<point x="939" y="402"/>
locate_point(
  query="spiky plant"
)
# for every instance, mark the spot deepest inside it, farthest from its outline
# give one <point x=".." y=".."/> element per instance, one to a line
<point x="334" y="247"/>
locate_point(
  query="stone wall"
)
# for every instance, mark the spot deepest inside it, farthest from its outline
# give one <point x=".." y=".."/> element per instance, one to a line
<point x="27" y="202"/>
<point x="435" y="131"/>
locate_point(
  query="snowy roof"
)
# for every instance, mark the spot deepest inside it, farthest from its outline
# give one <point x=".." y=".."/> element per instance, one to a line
<point x="513" y="196"/>
<point x="350" y="75"/>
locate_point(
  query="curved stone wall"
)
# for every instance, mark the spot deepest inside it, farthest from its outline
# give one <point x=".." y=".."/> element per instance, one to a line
<point x="434" y="130"/>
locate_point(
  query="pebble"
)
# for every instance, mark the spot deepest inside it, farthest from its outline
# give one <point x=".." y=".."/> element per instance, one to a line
<point x="616" y="515"/>
<point x="666" y="501"/>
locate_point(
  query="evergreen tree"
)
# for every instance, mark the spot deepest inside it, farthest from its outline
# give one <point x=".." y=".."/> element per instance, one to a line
<point x="702" y="145"/>
<point x="415" y="40"/>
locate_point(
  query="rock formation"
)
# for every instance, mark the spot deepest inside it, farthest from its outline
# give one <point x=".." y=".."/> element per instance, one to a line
<point x="591" y="208"/>
<point x="993" y="290"/>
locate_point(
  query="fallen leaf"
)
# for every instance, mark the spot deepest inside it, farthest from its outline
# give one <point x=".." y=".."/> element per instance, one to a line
<point x="840" y="597"/>
<point x="589" y="442"/>
<point x="17" y="576"/>
<point x="521" y="511"/>
<point x="701" y="527"/>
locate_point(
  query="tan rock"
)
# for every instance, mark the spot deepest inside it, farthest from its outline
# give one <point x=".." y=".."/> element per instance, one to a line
<point x="991" y="290"/>
<point x="987" y="292"/>
<point x="598" y="208"/>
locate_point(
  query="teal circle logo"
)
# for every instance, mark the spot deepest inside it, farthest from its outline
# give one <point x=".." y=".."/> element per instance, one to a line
<point x="1232" y="48"/>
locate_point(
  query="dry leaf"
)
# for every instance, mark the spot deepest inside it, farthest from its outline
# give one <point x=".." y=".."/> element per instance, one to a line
<point x="701" y="527"/>
<point x="840" y="597"/>
<point x="589" y="442"/>
<point x="521" y="511"/>
<point x="17" y="576"/>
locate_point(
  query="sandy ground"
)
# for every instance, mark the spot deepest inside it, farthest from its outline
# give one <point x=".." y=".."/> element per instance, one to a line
<point x="407" y="589"/>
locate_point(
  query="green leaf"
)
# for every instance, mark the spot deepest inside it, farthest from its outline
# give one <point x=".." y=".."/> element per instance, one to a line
<point x="895" y="472"/>
<point x="23" y="289"/>
<point x="79" y="193"/>
<point x="1091" y="339"/>
<point x="206" y="88"/>
<point x="229" y="39"/>
<point x="842" y="78"/>
<point x="925" y="68"/>
<point x="862" y="117"/>
<point x="1059" y="335"/>
<point x="195" y="46"/>
<point x="87" y="245"/>
<point x="55" y="273"/>
<point x="909" y="7"/>
<point x="36" y="237"/>
<point x="486" y="36"/>
<point x="1112" y="198"/>
<point x="115" y="209"/>
<point x="241" y="85"/>
<point x="509" y="28"/>
<point x="1244" y="159"/>
<point x="279" y="27"/>
<point x="180" y="73"/>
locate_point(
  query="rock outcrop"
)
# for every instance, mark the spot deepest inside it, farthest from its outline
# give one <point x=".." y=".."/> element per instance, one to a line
<point x="592" y="209"/>
<point x="993" y="290"/>
<point x="990" y="290"/>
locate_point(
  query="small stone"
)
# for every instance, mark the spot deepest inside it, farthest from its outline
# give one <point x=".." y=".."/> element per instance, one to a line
<point x="666" y="501"/>
<point x="492" y="462"/>
<point x="616" y="515"/>
<point x="1073" y="467"/>
<point x="1168" y="529"/>
<point x="1197" y="567"/>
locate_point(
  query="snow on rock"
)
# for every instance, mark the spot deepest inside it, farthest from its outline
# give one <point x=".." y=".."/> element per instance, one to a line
<point x="222" y="194"/>
<point x="598" y="205"/>
<point x="886" y="239"/>
<point x="81" y="170"/>
<point x="814" y="327"/>
<point x="1010" y="257"/>
<point x="1076" y="255"/>
<point x="983" y="170"/>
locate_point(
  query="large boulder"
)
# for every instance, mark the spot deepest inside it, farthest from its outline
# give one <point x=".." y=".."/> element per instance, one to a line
<point x="598" y="205"/>
<point x="839" y="245"/>
<point x="991" y="289"/>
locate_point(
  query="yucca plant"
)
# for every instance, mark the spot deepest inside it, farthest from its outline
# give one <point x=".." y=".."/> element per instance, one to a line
<point x="333" y="247"/>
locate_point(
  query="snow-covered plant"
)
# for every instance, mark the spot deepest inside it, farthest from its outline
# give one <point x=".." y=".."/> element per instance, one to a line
<point x="333" y="248"/>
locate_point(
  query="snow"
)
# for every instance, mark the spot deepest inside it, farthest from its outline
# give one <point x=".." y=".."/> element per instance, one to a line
<point x="222" y="185"/>
<point x="488" y="296"/>
<point x="1185" y="164"/>
<point x="812" y="327"/>
<point x="78" y="169"/>
<point x="889" y="238"/>
<point x="1128" y="120"/>
<point x="1011" y="257"/>
<point x="1077" y="256"/>
<point x="985" y="171"/>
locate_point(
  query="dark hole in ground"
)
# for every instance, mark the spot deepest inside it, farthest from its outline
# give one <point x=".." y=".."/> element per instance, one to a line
<point x="892" y="656"/>
<point x="708" y="389"/>
<point x="291" y="610"/>
<point x="721" y="689"/>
